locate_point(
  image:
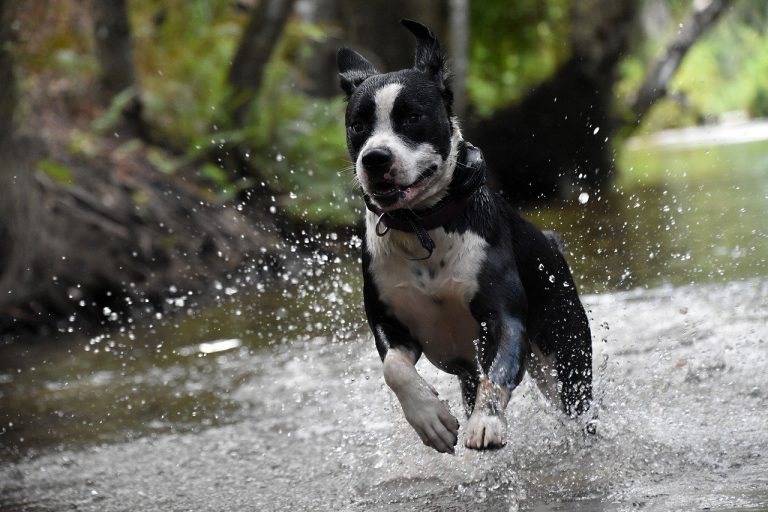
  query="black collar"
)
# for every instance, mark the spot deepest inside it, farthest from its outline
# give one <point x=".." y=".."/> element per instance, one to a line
<point x="468" y="177"/>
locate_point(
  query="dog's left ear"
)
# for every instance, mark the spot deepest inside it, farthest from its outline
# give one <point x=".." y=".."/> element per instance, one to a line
<point x="430" y="58"/>
<point x="353" y="69"/>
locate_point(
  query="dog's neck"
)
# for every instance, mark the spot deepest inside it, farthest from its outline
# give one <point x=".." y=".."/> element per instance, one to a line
<point x="447" y="176"/>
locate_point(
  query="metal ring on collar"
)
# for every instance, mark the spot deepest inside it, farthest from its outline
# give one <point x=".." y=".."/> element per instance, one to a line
<point x="380" y="221"/>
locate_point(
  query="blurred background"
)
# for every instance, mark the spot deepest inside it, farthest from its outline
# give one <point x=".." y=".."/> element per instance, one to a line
<point x="174" y="181"/>
<point x="160" y="143"/>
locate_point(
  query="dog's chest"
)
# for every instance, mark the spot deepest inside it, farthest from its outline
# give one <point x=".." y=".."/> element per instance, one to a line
<point x="431" y="297"/>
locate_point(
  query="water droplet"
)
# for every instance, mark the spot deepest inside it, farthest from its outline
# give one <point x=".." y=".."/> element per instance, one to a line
<point x="583" y="198"/>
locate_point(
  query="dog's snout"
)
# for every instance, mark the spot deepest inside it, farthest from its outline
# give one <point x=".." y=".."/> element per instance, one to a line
<point x="377" y="159"/>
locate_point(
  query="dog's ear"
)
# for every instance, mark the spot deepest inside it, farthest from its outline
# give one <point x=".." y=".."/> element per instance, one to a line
<point x="353" y="69"/>
<point x="430" y="58"/>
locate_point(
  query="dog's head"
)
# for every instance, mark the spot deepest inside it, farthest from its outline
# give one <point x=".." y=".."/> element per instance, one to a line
<point x="400" y="131"/>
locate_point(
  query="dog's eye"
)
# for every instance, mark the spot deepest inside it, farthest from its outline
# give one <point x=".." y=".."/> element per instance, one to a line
<point x="412" y="118"/>
<point x="357" y="127"/>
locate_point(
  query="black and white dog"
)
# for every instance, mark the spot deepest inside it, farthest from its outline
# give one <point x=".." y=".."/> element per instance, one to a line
<point x="450" y="269"/>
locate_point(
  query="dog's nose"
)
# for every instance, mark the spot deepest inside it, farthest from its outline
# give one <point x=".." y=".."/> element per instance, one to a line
<point x="377" y="159"/>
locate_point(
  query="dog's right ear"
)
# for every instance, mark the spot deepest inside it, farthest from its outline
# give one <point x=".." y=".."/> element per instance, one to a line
<point x="353" y="69"/>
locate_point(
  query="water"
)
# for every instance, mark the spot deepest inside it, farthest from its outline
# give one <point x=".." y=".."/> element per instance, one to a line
<point x="294" y="415"/>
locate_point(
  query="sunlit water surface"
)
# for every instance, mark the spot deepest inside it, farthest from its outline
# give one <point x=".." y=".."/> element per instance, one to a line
<point x="274" y="400"/>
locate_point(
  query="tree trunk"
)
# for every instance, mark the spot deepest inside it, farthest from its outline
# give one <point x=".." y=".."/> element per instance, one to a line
<point x="702" y="16"/>
<point x="557" y="140"/>
<point x="11" y="181"/>
<point x="320" y="76"/>
<point x="7" y="81"/>
<point x="18" y="206"/>
<point x="114" y="52"/>
<point x="256" y="46"/>
<point x="459" y="21"/>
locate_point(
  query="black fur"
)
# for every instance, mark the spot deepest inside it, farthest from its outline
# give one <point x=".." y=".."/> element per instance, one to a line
<point x="526" y="297"/>
<point x="354" y="69"/>
<point x="518" y="301"/>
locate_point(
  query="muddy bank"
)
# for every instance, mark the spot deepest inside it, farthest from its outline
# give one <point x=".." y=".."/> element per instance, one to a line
<point x="310" y="426"/>
<point x="112" y="233"/>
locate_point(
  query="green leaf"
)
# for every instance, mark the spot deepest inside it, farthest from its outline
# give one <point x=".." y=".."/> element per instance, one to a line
<point x="56" y="171"/>
<point x="112" y="116"/>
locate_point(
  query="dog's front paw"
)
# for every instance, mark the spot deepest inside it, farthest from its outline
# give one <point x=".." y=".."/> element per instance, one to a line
<point x="485" y="431"/>
<point x="432" y="420"/>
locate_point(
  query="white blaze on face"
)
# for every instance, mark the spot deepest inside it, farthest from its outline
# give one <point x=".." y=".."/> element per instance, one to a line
<point x="408" y="162"/>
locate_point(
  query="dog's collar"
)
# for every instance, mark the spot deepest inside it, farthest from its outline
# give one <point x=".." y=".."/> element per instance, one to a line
<point x="468" y="177"/>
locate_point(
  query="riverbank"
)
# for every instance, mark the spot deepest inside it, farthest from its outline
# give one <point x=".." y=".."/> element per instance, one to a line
<point x="739" y="131"/>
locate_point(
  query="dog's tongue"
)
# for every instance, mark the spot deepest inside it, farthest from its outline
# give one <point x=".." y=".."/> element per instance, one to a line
<point x="408" y="192"/>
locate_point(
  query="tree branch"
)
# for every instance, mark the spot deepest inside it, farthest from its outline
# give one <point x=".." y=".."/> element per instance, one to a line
<point x="256" y="46"/>
<point x="114" y="51"/>
<point x="702" y="16"/>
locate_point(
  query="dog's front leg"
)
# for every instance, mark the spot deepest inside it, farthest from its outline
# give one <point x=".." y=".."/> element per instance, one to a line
<point x="487" y="425"/>
<point x="426" y="413"/>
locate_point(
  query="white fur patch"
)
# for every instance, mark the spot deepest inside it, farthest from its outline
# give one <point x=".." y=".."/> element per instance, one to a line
<point x="487" y="426"/>
<point x="430" y="417"/>
<point x="430" y="297"/>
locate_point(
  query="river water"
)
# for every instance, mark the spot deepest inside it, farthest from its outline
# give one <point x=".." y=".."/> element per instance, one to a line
<point x="274" y="400"/>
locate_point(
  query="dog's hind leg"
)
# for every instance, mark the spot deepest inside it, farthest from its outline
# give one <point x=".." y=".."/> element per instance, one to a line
<point x="543" y="371"/>
<point x="562" y="362"/>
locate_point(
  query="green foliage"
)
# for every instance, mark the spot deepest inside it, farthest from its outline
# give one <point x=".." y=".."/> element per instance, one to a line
<point x="114" y="113"/>
<point x="514" y="45"/>
<point x="57" y="172"/>
<point x="164" y="162"/>
<point x="183" y="50"/>
<point x="53" y="39"/>
<point x="759" y="105"/>
<point x="725" y="71"/>
<point x="82" y="143"/>
<point x="220" y="179"/>
<point x="299" y="142"/>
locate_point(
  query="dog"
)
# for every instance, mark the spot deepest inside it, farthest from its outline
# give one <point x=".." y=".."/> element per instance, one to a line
<point x="452" y="271"/>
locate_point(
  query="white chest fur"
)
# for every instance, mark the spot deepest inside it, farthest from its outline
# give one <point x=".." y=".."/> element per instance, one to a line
<point x="430" y="297"/>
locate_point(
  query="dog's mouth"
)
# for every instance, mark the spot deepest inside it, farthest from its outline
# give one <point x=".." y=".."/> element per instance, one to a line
<point x="388" y="192"/>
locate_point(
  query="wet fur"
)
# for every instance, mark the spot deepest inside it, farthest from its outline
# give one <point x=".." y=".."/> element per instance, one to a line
<point x="496" y="293"/>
